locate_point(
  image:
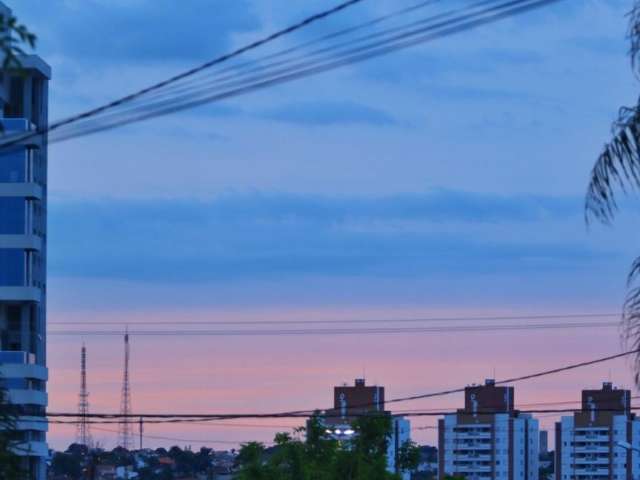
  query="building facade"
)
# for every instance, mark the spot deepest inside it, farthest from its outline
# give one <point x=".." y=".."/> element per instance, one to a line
<point x="352" y="401"/>
<point x="544" y="442"/>
<point x="23" y="237"/>
<point x="488" y="438"/>
<point x="602" y="440"/>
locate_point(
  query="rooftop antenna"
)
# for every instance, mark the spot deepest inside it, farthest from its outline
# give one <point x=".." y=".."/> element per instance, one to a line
<point x="83" y="434"/>
<point x="125" y="432"/>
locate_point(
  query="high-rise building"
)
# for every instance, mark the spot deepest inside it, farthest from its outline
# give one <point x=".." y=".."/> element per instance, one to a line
<point x="602" y="440"/>
<point x="544" y="442"/>
<point x="23" y="234"/>
<point x="352" y="401"/>
<point x="488" y="438"/>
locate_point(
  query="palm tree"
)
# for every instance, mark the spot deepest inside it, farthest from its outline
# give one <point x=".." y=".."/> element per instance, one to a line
<point x="618" y="170"/>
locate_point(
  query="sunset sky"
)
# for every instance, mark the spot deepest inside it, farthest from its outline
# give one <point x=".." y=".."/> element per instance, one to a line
<point x="386" y="190"/>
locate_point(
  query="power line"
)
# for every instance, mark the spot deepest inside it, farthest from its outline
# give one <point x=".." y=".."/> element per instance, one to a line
<point x="335" y="331"/>
<point x="180" y="86"/>
<point x="221" y="59"/>
<point x="172" y="439"/>
<point x="355" y="55"/>
<point x="239" y="71"/>
<point x="558" y="316"/>
<point x="402" y="40"/>
<point x="303" y="413"/>
<point x="185" y="417"/>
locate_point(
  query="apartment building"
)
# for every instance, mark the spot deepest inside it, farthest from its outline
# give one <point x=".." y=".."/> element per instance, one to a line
<point x="488" y="438"/>
<point x="602" y="440"/>
<point x="352" y="401"/>
<point x="23" y="234"/>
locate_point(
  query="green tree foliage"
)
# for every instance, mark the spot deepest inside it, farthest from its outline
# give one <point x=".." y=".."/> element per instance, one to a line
<point x="320" y="457"/>
<point x="9" y="461"/>
<point x="409" y="456"/>
<point x="13" y="36"/>
<point x="66" y="464"/>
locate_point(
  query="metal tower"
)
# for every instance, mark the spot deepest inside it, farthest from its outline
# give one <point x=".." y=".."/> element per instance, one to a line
<point x="83" y="436"/>
<point x="125" y="432"/>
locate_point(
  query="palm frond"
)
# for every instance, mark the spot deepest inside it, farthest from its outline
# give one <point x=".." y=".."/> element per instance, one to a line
<point x="631" y="326"/>
<point x="634" y="34"/>
<point x="617" y="167"/>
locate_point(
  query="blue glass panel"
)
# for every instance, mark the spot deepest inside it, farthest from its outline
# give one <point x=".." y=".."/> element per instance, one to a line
<point x="11" y="267"/>
<point x="12" y="357"/>
<point x="13" y="166"/>
<point x="12" y="216"/>
<point x="14" y="383"/>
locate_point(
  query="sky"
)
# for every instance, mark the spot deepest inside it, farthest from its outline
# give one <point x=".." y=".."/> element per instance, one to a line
<point x="443" y="180"/>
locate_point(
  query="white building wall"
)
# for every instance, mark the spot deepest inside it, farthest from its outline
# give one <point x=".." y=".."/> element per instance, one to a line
<point x="534" y="448"/>
<point x="608" y="460"/>
<point x="400" y="435"/>
<point x="518" y="448"/>
<point x="635" y="442"/>
<point x="482" y="450"/>
<point x="619" y="434"/>
<point x="501" y="446"/>
<point x="567" y="449"/>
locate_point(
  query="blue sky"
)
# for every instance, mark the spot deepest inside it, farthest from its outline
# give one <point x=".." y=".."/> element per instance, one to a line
<point x="457" y="154"/>
<point x="445" y="178"/>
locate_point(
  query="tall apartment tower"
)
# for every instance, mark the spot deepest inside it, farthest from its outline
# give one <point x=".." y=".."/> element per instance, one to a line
<point x="488" y="438"/>
<point x="352" y="401"/>
<point x="602" y="440"/>
<point x="23" y="235"/>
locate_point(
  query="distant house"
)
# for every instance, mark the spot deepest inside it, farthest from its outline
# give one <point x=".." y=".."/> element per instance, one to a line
<point x="105" y="472"/>
<point x="126" y="472"/>
<point x="167" y="461"/>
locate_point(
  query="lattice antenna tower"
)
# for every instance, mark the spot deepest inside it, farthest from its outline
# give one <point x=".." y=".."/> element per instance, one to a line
<point x="125" y="432"/>
<point x="83" y="434"/>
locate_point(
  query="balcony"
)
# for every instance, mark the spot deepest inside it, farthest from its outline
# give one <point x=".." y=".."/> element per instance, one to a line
<point x="39" y="424"/>
<point x="591" y="471"/>
<point x="26" y="190"/>
<point x="29" y="371"/>
<point x="471" y="469"/>
<point x="24" y="242"/>
<point x="591" y="437"/>
<point x="471" y="435"/>
<point x="472" y="457"/>
<point x="591" y="461"/>
<point x="27" y="397"/>
<point x="19" y="126"/>
<point x="19" y="358"/>
<point x="32" y="449"/>
<point x="20" y="294"/>
<point x="590" y="449"/>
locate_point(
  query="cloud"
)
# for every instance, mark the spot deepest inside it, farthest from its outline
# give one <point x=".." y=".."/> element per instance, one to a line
<point x="329" y="113"/>
<point x="249" y="236"/>
<point x="141" y="30"/>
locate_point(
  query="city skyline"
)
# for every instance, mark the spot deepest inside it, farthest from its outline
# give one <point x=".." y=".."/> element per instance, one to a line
<point x="371" y="198"/>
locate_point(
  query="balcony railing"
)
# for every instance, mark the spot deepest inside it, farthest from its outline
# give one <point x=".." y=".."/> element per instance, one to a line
<point x="20" y="358"/>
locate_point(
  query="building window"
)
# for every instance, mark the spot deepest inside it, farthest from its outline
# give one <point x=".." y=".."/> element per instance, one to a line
<point x="13" y="166"/>
<point x="15" y="108"/>
<point x="12" y="215"/>
<point x="12" y="267"/>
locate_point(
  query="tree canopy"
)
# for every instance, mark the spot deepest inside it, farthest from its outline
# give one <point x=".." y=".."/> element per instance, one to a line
<point x="9" y="461"/>
<point x="320" y="457"/>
